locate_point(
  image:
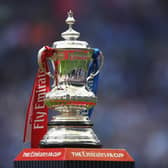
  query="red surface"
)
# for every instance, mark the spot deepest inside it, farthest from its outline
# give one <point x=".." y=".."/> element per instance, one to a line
<point x="74" y="154"/>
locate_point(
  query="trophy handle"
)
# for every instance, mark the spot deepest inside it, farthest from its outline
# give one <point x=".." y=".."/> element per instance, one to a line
<point x="43" y="54"/>
<point x="92" y="75"/>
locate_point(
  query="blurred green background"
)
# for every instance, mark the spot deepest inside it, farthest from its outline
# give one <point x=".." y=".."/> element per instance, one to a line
<point x="133" y="88"/>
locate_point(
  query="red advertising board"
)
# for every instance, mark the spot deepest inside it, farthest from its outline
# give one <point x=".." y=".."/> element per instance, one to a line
<point x="74" y="154"/>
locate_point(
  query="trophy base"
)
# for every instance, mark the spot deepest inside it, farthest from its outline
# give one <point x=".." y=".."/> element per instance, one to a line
<point x="70" y="134"/>
<point x="74" y="158"/>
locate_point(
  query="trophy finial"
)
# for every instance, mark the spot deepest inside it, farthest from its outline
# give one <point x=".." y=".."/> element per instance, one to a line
<point x="70" y="14"/>
<point x="70" y="19"/>
<point x="70" y="34"/>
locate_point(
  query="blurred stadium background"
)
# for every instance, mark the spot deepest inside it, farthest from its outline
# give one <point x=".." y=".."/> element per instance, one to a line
<point x="132" y="111"/>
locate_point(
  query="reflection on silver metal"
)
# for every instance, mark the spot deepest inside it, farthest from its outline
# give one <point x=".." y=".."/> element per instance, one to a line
<point x="70" y="95"/>
<point x="69" y="135"/>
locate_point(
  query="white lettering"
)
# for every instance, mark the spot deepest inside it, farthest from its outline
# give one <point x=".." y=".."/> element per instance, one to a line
<point x="98" y="154"/>
<point x="39" y="106"/>
<point x="37" y="126"/>
<point x="76" y="154"/>
<point x="42" y="154"/>
<point x="41" y="114"/>
<point x="40" y="97"/>
<point x="39" y="118"/>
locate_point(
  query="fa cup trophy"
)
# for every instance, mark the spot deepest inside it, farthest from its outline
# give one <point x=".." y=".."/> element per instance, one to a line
<point x="66" y="83"/>
<point x="71" y="95"/>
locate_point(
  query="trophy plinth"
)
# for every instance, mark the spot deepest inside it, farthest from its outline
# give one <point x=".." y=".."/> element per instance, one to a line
<point x="74" y="158"/>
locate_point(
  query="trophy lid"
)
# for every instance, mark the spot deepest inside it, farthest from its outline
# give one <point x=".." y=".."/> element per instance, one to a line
<point x="70" y="36"/>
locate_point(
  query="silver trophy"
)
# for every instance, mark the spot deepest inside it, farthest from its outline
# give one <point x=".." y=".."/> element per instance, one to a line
<point x="70" y="95"/>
